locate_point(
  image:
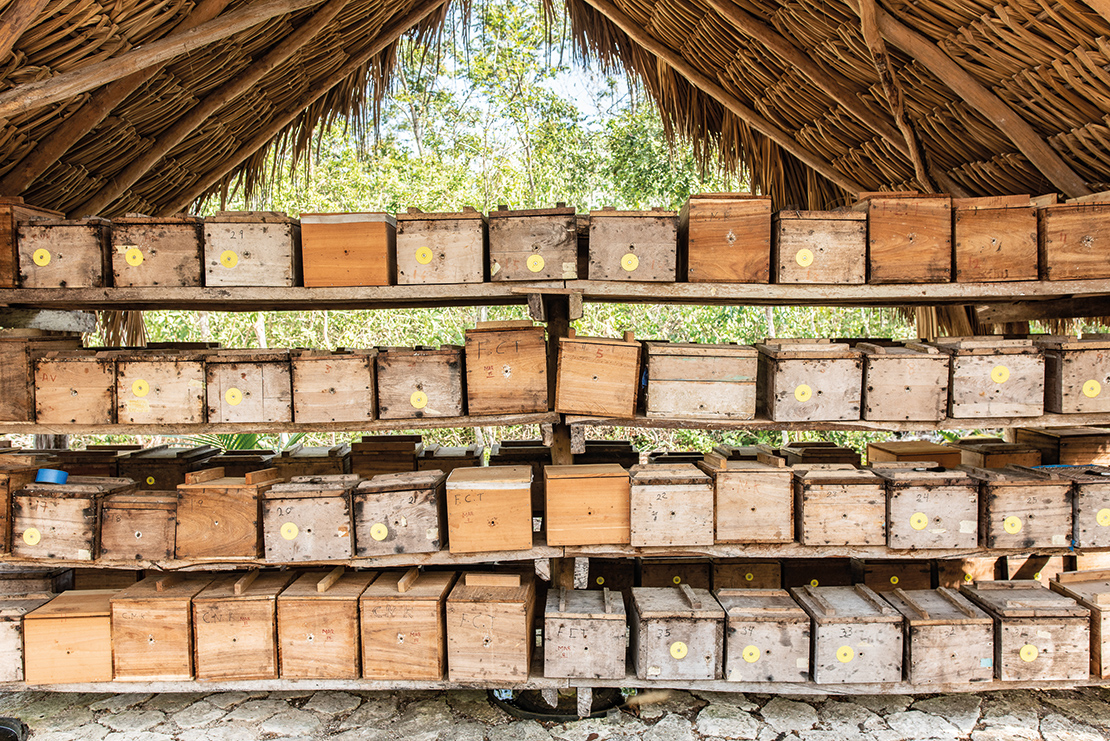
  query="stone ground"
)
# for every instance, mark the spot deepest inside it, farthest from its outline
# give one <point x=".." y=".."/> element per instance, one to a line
<point x="1016" y="715"/>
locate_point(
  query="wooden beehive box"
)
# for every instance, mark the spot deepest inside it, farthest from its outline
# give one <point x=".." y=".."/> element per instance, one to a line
<point x="598" y="376"/>
<point x="695" y="381"/>
<point x="249" y="386"/>
<point x="348" y="249"/>
<point x="404" y="625"/>
<point x="531" y="453"/>
<point x="506" y="368"/>
<point x="725" y="238"/>
<point x="1072" y="239"/>
<point x="400" y="513"/>
<point x="490" y="620"/>
<point x="420" y="382"/>
<point x="55" y="253"/>
<point x="160" y="388"/>
<point x="377" y="454"/>
<point x="69" y="639"/>
<point x="893" y="451"/>
<point x="537" y="244"/>
<point x="318" y="624"/>
<point x="947" y="639"/>
<point x="16" y="472"/>
<point x="1038" y="634"/>
<point x="1091" y="589"/>
<point x="671" y="505"/>
<point x="489" y="509"/>
<point x="163" y="467"/>
<point x="139" y="525"/>
<point x="743" y="574"/>
<point x="609" y="451"/>
<point x="994" y="377"/>
<point x="1090" y="505"/>
<point x="996" y="454"/>
<point x="152" y="628"/>
<point x="157" y="251"/>
<point x="18" y="350"/>
<point x="904" y="382"/>
<point x="584" y="634"/>
<point x="586" y="505"/>
<point x="235" y="626"/>
<point x="994" y="239"/>
<point x="669" y="457"/>
<point x="766" y="636"/>
<point x="886" y="575"/>
<point x="839" y="505"/>
<point x="1035" y="567"/>
<point x="12" y="610"/>
<point x="309" y="519"/>
<point x="909" y="237"/>
<point x="14" y="212"/>
<point x="442" y="458"/>
<point x="105" y="578"/>
<point x="674" y="572"/>
<point x="816" y="572"/>
<point x="319" y="460"/>
<point x="820" y="247"/>
<point x="252" y="248"/>
<point x="1023" y="508"/>
<point x="61" y="520"/>
<point x="754" y="500"/>
<point x="955" y="572"/>
<point x="219" y="517"/>
<point x="857" y="637"/>
<point x="1068" y="446"/>
<point x="808" y="380"/>
<point x="241" y="462"/>
<point x="441" y="247"/>
<point x="336" y="386"/>
<point x="677" y="633"/>
<point x="1076" y="373"/>
<point x="617" y="574"/>
<point x="818" y="452"/>
<point x="633" y="245"/>
<point x="93" y="460"/>
<point x="929" y="507"/>
<point x="18" y="580"/>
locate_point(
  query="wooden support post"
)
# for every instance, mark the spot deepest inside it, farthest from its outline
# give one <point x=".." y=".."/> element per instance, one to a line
<point x="535" y="307"/>
<point x="585" y="701"/>
<point x="581" y="572"/>
<point x="557" y="309"/>
<point x="562" y="573"/>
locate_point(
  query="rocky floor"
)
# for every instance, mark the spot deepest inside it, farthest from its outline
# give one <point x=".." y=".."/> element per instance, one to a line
<point x="1019" y="715"/>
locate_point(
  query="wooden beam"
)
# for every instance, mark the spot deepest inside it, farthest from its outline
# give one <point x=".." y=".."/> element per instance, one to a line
<point x="1061" y="308"/>
<point x="16" y="19"/>
<point x="699" y="80"/>
<point x="33" y="95"/>
<point x="193" y="118"/>
<point x="387" y="36"/>
<point x="981" y="99"/>
<point x="54" y="320"/>
<point x="893" y="91"/>
<point x="54" y="145"/>
<point x="1102" y="7"/>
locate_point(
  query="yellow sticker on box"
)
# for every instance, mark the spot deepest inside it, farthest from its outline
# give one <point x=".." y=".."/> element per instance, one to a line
<point x="750" y="654"/>
<point x="844" y="654"/>
<point x="150" y="481"/>
<point x="894" y="580"/>
<point x="679" y="650"/>
<point x="1092" y="388"/>
<point x="378" y="531"/>
<point x="31" y="536"/>
<point x="419" y="399"/>
<point x="234" y="397"/>
<point x="535" y="263"/>
<point x="803" y="393"/>
<point x="290" y="530"/>
<point x="41" y="257"/>
<point x="134" y="257"/>
<point x="1029" y="652"/>
<point x="919" y="520"/>
<point x="1102" y="517"/>
<point x="600" y="580"/>
<point x="804" y="258"/>
<point x="677" y="580"/>
<point x="749" y="576"/>
<point x="1000" y="374"/>
<point x="630" y="262"/>
<point x="424" y="255"/>
<point x="1012" y="525"/>
<point x="229" y="258"/>
<point x="140" y="388"/>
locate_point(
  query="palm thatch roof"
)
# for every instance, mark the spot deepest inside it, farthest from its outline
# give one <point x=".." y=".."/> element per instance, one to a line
<point x="146" y="105"/>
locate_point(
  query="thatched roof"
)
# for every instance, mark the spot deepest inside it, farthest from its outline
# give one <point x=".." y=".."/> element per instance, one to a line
<point x="987" y="98"/>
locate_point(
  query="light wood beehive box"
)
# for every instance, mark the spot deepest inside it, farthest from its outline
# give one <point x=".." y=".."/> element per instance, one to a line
<point x="404" y="625"/>
<point x="1077" y="373"/>
<point x="69" y="639"/>
<point x="62" y="520"/>
<point x="899" y="451"/>
<point x="671" y="505"/>
<point x="1090" y="505"/>
<point x="65" y="254"/>
<point x="993" y="377"/>
<point x="219" y="517"/>
<point x="252" y="248"/>
<point x="633" y="245"/>
<point x="420" y="382"/>
<point x="401" y="513"/>
<point x="909" y="237"/>
<point x="157" y="251"/>
<point x="138" y="525"/>
<point x="309" y="519"/>
<point x="358" y="249"/>
<point x="536" y="244"/>
<point x="1091" y="589"/>
<point x="436" y="248"/>
<point x="490" y="621"/>
<point x="677" y="633"/>
<point x="809" y="380"/>
<point x="249" y="386"/>
<point x="1069" y="446"/>
<point x="904" y="382"/>
<point x="598" y="376"/>
<point x="1073" y="239"/>
<point x="767" y="636"/>
<point x="336" y="386"/>
<point x="1023" y="508"/>
<point x="827" y="247"/>
<point x="160" y="388"/>
<point x="489" y="508"/>
<point x="754" y="499"/>
<point x="725" y="238"/>
<point x="857" y="637"/>
<point x="839" y="504"/>
<point x="929" y="507"/>
<point x="76" y="387"/>
<point x="700" y="381"/>
<point x="318" y="624"/>
<point x="12" y="610"/>
<point x="948" y="640"/>
<point x="584" y="634"/>
<point x="16" y="472"/>
<point x="994" y="239"/>
<point x="152" y="628"/>
<point x="506" y="368"/>
<point x="587" y="504"/>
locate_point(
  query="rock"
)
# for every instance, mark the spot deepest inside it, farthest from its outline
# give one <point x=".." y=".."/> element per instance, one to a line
<point x="116" y="703"/>
<point x="71" y="721"/>
<point x="845" y="717"/>
<point x="821" y="735"/>
<point x="471" y="731"/>
<point x="727" y="722"/>
<point x="378" y="706"/>
<point x="785" y="716"/>
<point x="1015" y="708"/>
<point x="198" y="715"/>
<point x="1008" y="733"/>
<point x="133" y="721"/>
<point x="290" y="694"/>
<point x="962" y="711"/>
<point x="671" y="728"/>
<point x="223" y="732"/>
<point x="141" y="736"/>
<point x="475" y="704"/>
<point x="292" y="722"/>
<point x="883" y="704"/>
<point x="1058" y="728"/>
<point x="520" y="730"/>
<point x="87" y="732"/>
<point x="1085" y="709"/>
<point x="654" y="704"/>
<point x="172" y="702"/>
<point x="736" y="699"/>
<point x="228" y="700"/>
<point x="256" y="711"/>
<point x="333" y="703"/>
<point x="914" y="724"/>
<point x="618" y="726"/>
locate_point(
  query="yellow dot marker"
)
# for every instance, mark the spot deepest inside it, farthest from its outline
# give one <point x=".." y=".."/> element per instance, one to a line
<point x="1037" y="576"/>
<point x="424" y="255"/>
<point x="378" y="531"/>
<point x="1102" y="517"/>
<point x="1012" y="525"/>
<point x="804" y="258"/>
<point x="31" y="536"/>
<point x="140" y="388"/>
<point x="1000" y="374"/>
<point x="679" y="650"/>
<point x="535" y="263"/>
<point x="229" y="259"/>
<point x="630" y="262"/>
<point x="234" y="397"/>
<point x="894" y="580"/>
<point x="1029" y="652"/>
<point x="419" y="399"/>
<point x="919" y="520"/>
<point x="813" y="582"/>
<point x="1092" y="388"/>
<point x="803" y="393"/>
<point x="150" y="481"/>
<point x="41" y="258"/>
<point x="749" y="577"/>
<point x="968" y="578"/>
<point x="677" y="580"/>
<point x="290" y="530"/>
<point x="750" y="654"/>
<point x="844" y="654"/>
<point x="600" y="580"/>
<point x="134" y="257"/>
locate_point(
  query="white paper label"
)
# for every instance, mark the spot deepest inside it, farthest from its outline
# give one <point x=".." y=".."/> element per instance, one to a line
<point x="138" y="406"/>
<point x="195" y="384"/>
<point x="968" y="526"/>
<point x="802" y="663"/>
<point x="1044" y="634"/>
<point x="432" y="533"/>
<point x="1059" y="540"/>
<point x="654" y="671"/>
<point x="939" y="531"/>
<point x="84" y="555"/>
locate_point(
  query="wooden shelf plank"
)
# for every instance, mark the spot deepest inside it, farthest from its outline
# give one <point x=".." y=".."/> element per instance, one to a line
<point x="797" y="550"/>
<point x="1045" y="420"/>
<point x="377" y="425"/>
<point x="535" y="682"/>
